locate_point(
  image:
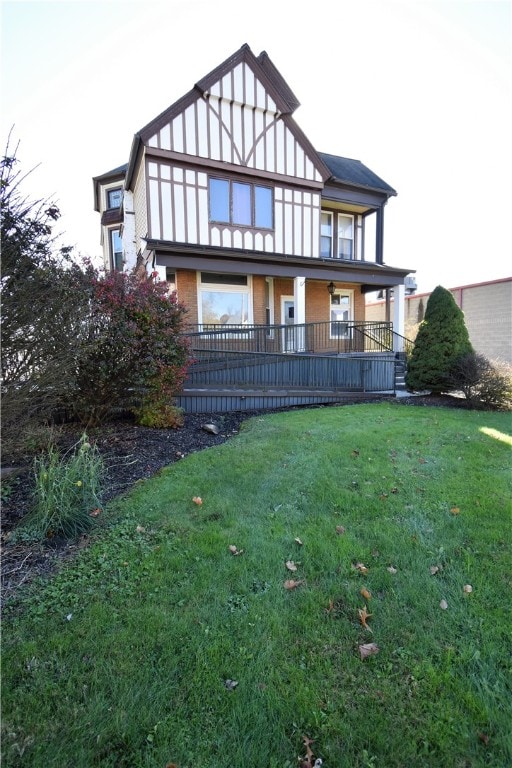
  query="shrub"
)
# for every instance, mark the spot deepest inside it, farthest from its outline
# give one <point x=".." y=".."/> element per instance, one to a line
<point x="42" y="290"/>
<point x="132" y="353"/>
<point x="160" y="416"/>
<point x="485" y="384"/>
<point x="442" y="339"/>
<point x="68" y="490"/>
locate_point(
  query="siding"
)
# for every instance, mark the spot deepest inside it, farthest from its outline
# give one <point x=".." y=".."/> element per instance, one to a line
<point x="140" y="208"/>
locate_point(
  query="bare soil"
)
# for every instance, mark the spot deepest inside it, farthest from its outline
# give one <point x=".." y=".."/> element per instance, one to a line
<point x="131" y="453"/>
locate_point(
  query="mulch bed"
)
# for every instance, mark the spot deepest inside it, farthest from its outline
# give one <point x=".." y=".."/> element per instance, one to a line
<point x="131" y="453"/>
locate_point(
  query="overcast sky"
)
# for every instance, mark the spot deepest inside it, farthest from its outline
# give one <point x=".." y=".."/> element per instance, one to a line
<point x="418" y="90"/>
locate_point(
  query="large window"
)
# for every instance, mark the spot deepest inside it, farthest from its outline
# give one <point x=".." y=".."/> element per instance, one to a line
<point x="240" y="203"/>
<point x="224" y="299"/>
<point x="345" y="236"/>
<point x="116" y="249"/>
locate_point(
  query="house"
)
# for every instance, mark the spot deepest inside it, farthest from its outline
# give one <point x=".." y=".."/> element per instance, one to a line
<point x="225" y="198"/>
<point x="487" y="308"/>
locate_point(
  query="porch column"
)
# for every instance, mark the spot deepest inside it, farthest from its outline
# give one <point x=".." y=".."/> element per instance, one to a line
<point x="398" y="316"/>
<point x="299" y="300"/>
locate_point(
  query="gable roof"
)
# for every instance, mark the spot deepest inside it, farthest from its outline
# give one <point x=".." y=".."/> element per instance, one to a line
<point x="280" y="98"/>
<point x="353" y="172"/>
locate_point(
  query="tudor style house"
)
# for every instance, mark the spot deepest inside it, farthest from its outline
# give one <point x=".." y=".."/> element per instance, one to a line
<point x="226" y="199"/>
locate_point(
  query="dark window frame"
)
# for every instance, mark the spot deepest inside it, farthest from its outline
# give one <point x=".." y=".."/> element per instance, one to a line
<point x="253" y="204"/>
<point x="117" y="190"/>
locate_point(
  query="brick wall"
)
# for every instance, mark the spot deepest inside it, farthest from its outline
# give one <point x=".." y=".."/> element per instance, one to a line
<point x="317" y="298"/>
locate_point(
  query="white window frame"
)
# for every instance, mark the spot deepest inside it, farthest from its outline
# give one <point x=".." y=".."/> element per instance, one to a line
<point x="341" y="292"/>
<point x="331" y="236"/>
<point x="352" y="239"/>
<point x="111" y="233"/>
<point x="225" y="288"/>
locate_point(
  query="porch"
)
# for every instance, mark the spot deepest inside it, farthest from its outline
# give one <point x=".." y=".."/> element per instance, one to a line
<point x="273" y="366"/>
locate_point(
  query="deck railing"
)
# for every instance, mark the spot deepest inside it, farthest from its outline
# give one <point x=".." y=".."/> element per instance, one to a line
<point x="326" y="338"/>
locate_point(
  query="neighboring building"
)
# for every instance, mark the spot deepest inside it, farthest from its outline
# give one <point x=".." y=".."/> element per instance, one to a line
<point x="225" y="198"/>
<point x="487" y="311"/>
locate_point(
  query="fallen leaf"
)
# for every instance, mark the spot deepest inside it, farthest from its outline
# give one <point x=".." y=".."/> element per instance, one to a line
<point x="307" y="743"/>
<point x="367" y="595"/>
<point x="230" y="684"/>
<point x="468" y="588"/>
<point x="95" y="512"/>
<point x="368" y="649"/>
<point x="292" y="584"/>
<point x="392" y="569"/>
<point x="455" y="511"/>
<point x="483" y="738"/>
<point x="361" y="568"/>
<point x="171" y="765"/>
<point x="330" y="609"/>
<point x="298" y="541"/>
<point x="291" y="565"/>
<point x="363" y="615"/>
<point x="197" y="500"/>
<point x="443" y="604"/>
<point x="434" y="569"/>
<point x="340" y="530"/>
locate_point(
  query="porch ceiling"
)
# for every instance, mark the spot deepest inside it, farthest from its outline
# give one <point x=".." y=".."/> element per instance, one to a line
<point x="369" y="275"/>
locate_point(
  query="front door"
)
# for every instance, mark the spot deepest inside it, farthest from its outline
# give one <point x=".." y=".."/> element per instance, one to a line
<point x="287" y="320"/>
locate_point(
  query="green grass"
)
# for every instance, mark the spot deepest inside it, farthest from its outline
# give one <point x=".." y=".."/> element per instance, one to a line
<point x="121" y="659"/>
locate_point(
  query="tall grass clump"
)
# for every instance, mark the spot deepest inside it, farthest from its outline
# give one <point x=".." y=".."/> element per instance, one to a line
<point x="68" y="489"/>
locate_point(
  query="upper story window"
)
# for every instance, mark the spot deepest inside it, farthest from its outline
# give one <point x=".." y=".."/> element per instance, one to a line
<point x="345" y="236"/>
<point x="240" y="203"/>
<point x="326" y="235"/>
<point x="114" y="197"/>
<point x="336" y="235"/>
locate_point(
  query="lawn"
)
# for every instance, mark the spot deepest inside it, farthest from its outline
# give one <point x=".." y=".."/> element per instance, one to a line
<point x="222" y="631"/>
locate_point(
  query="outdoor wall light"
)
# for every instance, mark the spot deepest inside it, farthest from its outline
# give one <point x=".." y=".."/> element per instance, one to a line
<point x="331" y="288"/>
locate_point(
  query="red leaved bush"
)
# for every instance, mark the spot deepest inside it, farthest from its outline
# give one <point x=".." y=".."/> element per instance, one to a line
<point x="132" y="353"/>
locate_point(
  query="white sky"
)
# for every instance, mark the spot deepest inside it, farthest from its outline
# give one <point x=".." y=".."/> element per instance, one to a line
<point x="418" y="90"/>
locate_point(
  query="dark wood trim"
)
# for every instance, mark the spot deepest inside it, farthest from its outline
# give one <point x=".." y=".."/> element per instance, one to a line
<point x="257" y="263"/>
<point x="190" y="161"/>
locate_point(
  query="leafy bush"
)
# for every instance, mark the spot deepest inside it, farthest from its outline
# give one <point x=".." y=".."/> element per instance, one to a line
<point x="68" y="489"/>
<point x="160" y="415"/>
<point x="485" y="384"/>
<point x="442" y="339"/>
<point x="132" y="353"/>
<point x="42" y="291"/>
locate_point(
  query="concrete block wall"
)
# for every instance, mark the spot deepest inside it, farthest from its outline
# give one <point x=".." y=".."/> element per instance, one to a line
<point x="487" y="311"/>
